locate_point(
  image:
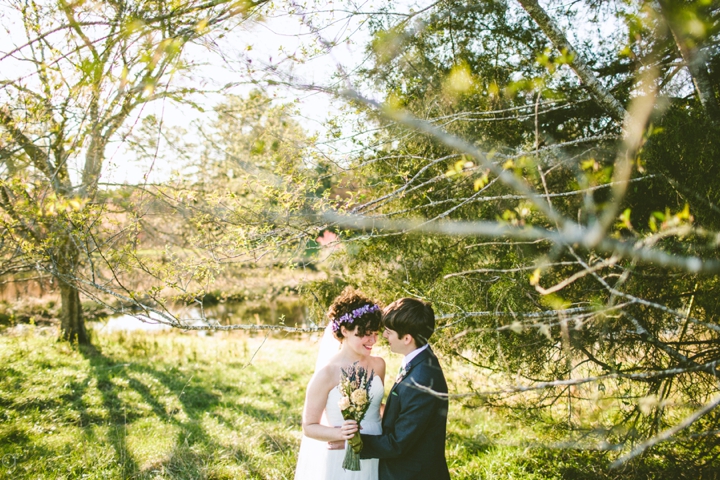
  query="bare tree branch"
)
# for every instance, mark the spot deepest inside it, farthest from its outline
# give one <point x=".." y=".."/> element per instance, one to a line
<point x="609" y="103"/>
<point x="670" y="432"/>
<point x="693" y="57"/>
<point x="567" y="236"/>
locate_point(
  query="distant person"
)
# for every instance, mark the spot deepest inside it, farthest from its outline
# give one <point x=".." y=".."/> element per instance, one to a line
<point x="412" y="443"/>
<point x="354" y="321"/>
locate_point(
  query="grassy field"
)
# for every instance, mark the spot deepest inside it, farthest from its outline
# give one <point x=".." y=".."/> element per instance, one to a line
<point x="181" y="406"/>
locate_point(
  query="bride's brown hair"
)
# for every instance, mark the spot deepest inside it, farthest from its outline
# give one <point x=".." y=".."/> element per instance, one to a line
<point x="348" y="302"/>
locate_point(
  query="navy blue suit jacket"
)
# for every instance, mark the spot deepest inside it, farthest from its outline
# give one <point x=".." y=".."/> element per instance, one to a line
<point x="412" y="444"/>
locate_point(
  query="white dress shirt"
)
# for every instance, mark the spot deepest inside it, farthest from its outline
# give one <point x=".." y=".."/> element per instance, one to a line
<point x="413" y="354"/>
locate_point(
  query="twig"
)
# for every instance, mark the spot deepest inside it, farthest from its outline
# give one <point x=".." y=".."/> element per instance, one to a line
<point x="256" y="351"/>
<point x="710" y="367"/>
<point x="663" y="436"/>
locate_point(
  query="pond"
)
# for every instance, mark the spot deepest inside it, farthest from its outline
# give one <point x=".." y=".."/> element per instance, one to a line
<point x="287" y="310"/>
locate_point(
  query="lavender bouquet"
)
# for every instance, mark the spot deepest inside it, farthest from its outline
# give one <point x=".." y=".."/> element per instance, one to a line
<point x="354" y="401"/>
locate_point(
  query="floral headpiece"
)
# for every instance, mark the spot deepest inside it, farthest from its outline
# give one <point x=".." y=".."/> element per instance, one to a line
<point x="350" y="317"/>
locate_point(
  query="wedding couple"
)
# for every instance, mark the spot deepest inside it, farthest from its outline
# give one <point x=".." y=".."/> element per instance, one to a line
<point x="403" y="439"/>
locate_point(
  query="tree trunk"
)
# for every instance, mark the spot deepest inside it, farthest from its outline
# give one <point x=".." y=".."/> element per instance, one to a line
<point x="72" y="323"/>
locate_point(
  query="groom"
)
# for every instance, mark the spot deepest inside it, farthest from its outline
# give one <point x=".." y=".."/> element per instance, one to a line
<point x="412" y="444"/>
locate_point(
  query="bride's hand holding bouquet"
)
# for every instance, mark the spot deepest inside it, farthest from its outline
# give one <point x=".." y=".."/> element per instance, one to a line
<point x="354" y="401"/>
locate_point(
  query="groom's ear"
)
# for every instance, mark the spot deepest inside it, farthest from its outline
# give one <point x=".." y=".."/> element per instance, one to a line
<point x="408" y="339"/>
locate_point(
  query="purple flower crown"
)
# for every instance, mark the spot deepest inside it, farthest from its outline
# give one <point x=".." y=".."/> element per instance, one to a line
<point x="350" y="317"/>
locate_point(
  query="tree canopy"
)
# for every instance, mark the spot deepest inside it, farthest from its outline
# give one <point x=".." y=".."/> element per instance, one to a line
<point x="543" y="173"/>
<point x="74" y="79"/>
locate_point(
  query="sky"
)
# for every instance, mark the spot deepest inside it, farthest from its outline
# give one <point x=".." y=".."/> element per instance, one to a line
<point x="264" y="43"/>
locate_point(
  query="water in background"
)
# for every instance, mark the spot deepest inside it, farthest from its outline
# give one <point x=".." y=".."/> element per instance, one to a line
<point x="289" y="311"/>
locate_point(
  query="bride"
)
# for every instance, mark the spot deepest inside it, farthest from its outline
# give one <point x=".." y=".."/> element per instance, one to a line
<point x="354" y="321"/>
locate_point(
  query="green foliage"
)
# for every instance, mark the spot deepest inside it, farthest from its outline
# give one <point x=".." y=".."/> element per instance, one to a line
<point x="82" y="69"/>
<point x="488" y="73"/>
<point x="683" y="149"/>
<point x="493" y="74"/>
<point x="253" y="177"/>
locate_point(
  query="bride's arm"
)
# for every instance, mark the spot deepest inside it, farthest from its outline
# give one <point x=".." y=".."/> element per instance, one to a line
<point x="315" y="399"/>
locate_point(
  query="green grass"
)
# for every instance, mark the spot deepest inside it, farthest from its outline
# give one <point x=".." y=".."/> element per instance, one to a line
<point x="180" y="406"/>
<point x="150" y="406"/>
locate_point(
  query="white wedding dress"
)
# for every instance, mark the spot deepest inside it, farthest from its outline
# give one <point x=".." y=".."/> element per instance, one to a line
<point x="316" y="462"/>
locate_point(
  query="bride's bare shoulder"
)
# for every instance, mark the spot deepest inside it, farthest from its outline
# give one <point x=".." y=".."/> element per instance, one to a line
<point x="329" y="375"/>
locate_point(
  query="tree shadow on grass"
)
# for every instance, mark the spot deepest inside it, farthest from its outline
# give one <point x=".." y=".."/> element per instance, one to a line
<point x="194" y="447"/>
<point x="29" y="419"/>
<point x="196" y="401"/>
<point x="104" y="369"/>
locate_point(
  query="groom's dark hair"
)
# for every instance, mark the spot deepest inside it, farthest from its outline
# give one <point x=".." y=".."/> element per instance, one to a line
<point x="410" y="316"/>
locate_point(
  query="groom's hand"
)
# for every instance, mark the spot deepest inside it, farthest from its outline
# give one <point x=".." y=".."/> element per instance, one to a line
<point x="339" y="445"/>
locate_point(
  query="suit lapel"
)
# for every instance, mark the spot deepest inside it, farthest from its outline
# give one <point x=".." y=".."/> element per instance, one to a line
<point x="390" y="414"/>
<point x="423" y="356"/>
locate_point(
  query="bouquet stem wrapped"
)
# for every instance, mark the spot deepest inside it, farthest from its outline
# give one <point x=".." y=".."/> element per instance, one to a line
<point x="352" y="453"/>
<point x="355" y="390"/>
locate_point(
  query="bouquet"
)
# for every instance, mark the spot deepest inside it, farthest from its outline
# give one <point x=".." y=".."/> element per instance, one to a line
<point x="354" y="401"/>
